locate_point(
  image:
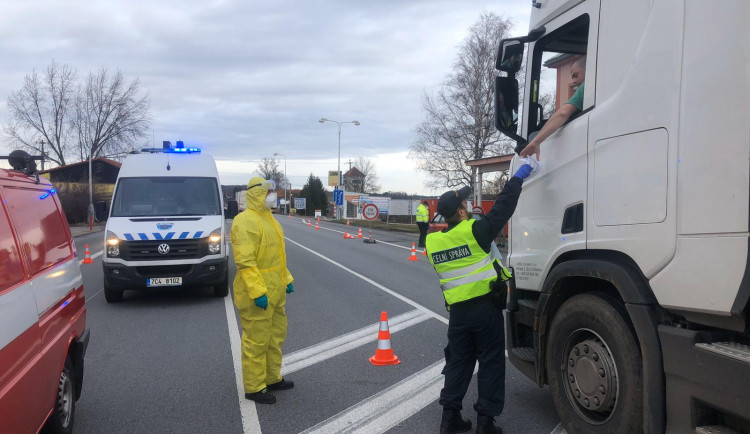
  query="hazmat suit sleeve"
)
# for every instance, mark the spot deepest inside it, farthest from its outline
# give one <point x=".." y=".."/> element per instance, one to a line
<point x="249" y="283"/>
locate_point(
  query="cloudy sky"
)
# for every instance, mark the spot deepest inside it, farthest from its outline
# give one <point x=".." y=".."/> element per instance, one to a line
<point x="246" y="78"/>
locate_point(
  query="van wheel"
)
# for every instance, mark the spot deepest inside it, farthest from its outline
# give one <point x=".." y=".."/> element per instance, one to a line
<point x="222" y="289"/>
<point x="112" y="295"/>
<point x="594" y="367"/>
<point x="61" y="419"/>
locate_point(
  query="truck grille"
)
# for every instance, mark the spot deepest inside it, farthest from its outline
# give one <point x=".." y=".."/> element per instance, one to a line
<point x="148" y="250"/>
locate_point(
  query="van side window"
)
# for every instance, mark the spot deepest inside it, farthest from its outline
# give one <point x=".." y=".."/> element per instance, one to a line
<point x="10" y="261"/>
<point x="556" y="62"/>
<point x="43" y="239"/>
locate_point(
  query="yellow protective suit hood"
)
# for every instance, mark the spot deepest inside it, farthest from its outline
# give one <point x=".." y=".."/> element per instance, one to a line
<point x="256" y="195"/>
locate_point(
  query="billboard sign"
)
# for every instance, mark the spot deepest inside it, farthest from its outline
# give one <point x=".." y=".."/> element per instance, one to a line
<point x="300" y="202"/>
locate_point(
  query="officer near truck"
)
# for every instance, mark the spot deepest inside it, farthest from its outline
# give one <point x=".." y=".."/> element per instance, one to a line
<point x="473" y="285"/>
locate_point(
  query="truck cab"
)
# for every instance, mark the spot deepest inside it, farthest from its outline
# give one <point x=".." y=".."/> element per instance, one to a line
<point x="166" y="227"/>
<point x="630" y="248"/>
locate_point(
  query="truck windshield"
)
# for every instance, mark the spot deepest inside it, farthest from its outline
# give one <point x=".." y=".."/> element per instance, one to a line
<point x="166" y="196"/>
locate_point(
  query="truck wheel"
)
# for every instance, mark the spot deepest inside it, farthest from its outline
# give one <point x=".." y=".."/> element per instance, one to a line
<point x="61" y="419"/>
<point x="594" y="367"/>
<point x="112" y="295"/>
<point x="222" y="289"/>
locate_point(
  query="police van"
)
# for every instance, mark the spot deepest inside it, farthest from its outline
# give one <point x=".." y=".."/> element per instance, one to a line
<point x="166" y="224"/>
<point x="43" y="334"/>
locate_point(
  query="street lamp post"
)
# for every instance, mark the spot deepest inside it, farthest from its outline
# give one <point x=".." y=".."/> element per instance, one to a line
<point x="356" y="124"/>
<point x="286" y="202"/>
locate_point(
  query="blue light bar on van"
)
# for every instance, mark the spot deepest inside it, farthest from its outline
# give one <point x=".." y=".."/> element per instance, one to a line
<point x="183" y="150"/>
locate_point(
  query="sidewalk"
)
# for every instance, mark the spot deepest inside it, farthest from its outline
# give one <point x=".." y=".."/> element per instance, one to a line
<point x="77" y="231"/>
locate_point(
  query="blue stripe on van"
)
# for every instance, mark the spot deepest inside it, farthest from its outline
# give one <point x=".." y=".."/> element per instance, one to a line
<point x="169" y="236"/>
<point x="143" y="236"/>
<point x="129" y="237"/>
<point x="157" y="236"/>
<point x="198" y="234"/>
<point x="184" y="235"/>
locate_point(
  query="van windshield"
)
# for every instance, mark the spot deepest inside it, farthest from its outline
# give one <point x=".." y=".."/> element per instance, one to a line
<point x="166" y="196"/>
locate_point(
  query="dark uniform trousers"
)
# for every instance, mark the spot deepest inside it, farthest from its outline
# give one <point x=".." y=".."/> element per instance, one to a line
<point x="475" y="332"/>
<point x="423" y="228"/>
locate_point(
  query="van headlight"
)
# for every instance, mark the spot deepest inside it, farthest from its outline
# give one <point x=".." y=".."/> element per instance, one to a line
<point x="113" y="245"/>
<point x="214" y="242"/>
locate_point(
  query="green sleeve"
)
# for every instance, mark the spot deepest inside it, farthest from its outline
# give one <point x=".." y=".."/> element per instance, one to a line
<point x="577" y="99"/>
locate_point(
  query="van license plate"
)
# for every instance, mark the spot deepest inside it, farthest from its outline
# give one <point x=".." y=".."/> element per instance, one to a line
<point x="164" y="281"/>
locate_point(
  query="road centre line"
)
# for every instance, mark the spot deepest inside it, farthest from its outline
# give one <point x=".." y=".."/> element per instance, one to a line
<point x="559" y="429"/>
<point x="94" y="256"/>
<point x="386" y="409"/>
<point x="320" y="352"/>
<point x="248" y="412"/>
<point x="379" y="241"/>
<point x="375" y="284"/>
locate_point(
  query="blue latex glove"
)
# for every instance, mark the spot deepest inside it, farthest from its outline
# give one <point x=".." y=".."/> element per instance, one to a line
<point x="289" y="288"/>
<point x="262" y="302"/>
<point x="524" y="171"/>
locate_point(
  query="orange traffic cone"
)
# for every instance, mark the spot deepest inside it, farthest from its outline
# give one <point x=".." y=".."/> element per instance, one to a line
<point x="359" y="234"/>
<point x="424" y="252"/>
<point x="309" y="223"/>
<point x="317" y="228"/>
<point x="346" y="236"/>
<point x="347" y="222"/>
<point x="289" y="216"/>
<point x="413" y="256"/>
<point x="384" y="353"/>
<point x="87" y="256"/>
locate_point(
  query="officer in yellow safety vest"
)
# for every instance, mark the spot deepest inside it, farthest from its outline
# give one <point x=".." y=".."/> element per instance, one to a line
<point x="423" y="221"/>
<point x="468" y="272"/>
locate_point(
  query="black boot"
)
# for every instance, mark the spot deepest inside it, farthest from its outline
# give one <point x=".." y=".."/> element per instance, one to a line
<point x="486" y="425"/>
<point x="281" y="385"/>
<point x="453" y="422"/>
<point x="262" y="397"/>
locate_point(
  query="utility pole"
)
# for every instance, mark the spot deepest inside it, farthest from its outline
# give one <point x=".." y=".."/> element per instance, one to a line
<point x="44" y="157"/>
<point x="350" y="164"/>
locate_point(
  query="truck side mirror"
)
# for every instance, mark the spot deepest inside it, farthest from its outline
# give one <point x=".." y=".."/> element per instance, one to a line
<point x="510" y="56"/>
<point x="506" y="105"/>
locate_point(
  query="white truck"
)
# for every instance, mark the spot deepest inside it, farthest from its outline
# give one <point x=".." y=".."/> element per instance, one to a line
<point x="241" y="199"/>
<point x="630" y="249"/>
<point x="166" y="226"/>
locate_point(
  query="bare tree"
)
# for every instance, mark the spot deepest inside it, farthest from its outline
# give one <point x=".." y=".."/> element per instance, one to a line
<point x="368" y="182"/>
<point x="269" y="169"/>
<point x="459" y="119"/>
<point x="41" y="110"/>
<point x="110" y="115"/>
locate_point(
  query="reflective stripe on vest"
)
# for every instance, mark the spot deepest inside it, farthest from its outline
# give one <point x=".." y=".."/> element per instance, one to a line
<point x="464" y="269"/>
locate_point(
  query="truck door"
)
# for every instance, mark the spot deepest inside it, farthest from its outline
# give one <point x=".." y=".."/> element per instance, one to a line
<point x="549" y="219"/>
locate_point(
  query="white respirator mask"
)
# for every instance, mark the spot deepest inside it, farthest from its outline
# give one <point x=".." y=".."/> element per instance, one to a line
<point x="271" y="200"/>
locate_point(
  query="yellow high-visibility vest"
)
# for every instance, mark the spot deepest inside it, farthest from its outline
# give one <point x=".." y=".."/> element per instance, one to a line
<point x="423" y="214"/>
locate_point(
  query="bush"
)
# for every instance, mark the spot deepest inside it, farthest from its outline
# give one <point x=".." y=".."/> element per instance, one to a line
<point x="74" y="198"/>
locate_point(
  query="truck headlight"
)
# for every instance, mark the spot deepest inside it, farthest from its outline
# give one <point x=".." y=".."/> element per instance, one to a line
<point x="214" y="242"/>
<point x="113" y="245"/>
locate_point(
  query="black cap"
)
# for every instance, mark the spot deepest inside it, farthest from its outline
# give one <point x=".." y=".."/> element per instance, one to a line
<point x="450" y="201"/>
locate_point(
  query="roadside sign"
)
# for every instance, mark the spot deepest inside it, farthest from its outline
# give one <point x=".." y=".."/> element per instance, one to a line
<point x="300" y="202"/>
<point x="338" y="197"/>
<point x="370" y="212"/>
<point x="334" y="178"/>
<point x="477" y="210"/>
<point x="318" y="213"/>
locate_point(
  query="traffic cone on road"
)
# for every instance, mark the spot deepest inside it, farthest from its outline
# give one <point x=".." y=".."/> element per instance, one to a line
<point x="359" y="234"/>
<point x="413" y="256"/>
<point x="87" y="256"/>
<point x="317" y="227"/>
<point x="424" y="252"/>
<point x="309" y="223"/>
<point x="384" y="353"/>
<point x="346" y="236"/>
<point x="347" y="222"/>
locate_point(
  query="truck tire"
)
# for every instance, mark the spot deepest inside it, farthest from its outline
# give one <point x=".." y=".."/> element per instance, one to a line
<point x="594" y="367"/>
<point x="61" y="419"/>
<point x="222" y="289"/>
<point x="112" y="295"/>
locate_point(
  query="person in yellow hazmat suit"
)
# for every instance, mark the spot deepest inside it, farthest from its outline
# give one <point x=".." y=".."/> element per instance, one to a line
<point x="260" y="288"/>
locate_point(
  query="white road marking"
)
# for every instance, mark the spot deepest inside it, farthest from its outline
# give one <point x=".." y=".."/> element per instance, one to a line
<point x="386" y="409"/>
<point x="325" y="350"/>
<point x="559" y="430"/>
<point x="248" y="412"/>
<point x="374" y="283"/>
<point x="94" y="256"/>
<point x="379" y="241"/>
<point x="88" y="299"/>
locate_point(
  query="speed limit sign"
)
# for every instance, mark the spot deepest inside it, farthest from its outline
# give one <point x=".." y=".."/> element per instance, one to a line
<point x="370" y="212"/>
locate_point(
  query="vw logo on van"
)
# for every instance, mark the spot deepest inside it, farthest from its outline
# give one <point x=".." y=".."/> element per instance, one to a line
<point x="164" y="226"/>
<point x="163" y="248"/>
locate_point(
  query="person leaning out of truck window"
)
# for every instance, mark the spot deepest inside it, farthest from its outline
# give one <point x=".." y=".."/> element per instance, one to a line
<point x="561" y="116"/>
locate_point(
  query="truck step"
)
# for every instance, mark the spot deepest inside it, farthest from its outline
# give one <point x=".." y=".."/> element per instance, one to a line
<point x="524" y="353"/>
<point x="714" y="429"/>
<point x="530" y="304"/>
<point x="730" y="349"/>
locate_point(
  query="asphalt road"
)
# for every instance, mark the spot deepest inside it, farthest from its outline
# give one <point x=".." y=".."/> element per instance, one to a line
<point x="162" y="362"/>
